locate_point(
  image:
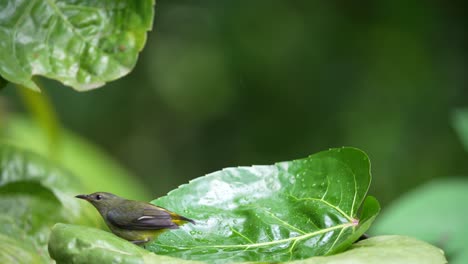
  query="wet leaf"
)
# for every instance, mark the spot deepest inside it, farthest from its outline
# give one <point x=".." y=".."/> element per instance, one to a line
<point x="82" y="44"/>
<point x="290" y="210"/>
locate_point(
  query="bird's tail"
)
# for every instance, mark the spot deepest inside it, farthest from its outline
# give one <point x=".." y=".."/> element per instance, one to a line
<point x="183" y="218"/>
<point x="180" y="220"/>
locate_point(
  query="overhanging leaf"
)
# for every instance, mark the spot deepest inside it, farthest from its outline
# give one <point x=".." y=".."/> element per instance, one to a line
<point x="291" y="210"/>
<point x="80" y="43"/>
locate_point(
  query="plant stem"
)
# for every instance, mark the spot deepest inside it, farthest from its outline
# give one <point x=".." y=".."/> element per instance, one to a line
<point x="44" y="114"/>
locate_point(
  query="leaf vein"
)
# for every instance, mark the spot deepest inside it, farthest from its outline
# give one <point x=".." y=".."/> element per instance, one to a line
<point x="327" y="203"/>
<point x="268" y="243"/>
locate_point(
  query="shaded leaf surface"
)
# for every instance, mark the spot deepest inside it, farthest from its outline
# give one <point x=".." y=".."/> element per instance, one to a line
<point x="94" y="168"/>
<point x="3" y="82"/>
<point x="434" y="212"/>
<point x="290" y="210"/>
<point x="37" y="194"/>
<point x="81" y="43"/>
<point x="16" y="246"/>
<point x="25" y="172"/>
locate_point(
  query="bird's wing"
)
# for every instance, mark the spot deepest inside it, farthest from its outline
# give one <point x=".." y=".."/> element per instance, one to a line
<point x="149" y="217"/>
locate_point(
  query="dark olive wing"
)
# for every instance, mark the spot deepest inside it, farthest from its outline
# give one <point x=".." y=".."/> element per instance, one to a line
<point x="145" y="217"/>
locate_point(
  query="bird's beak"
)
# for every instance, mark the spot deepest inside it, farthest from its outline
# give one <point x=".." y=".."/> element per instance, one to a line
<point x="83" y="196"/>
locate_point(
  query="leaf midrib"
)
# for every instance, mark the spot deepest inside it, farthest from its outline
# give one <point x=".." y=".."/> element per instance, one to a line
<point x="269" y="243"/>
<point x="62" y="16"/>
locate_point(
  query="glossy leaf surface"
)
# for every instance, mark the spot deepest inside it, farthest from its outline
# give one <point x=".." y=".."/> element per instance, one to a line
<point x="290" y="210"/>
<point x="82" y="44"/>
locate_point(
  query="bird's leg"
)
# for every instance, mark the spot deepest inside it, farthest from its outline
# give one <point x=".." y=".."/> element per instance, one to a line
<point x="139" y="242"/>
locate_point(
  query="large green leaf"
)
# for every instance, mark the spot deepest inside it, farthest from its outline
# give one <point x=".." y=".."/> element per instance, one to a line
<point x="24" y="172"/>
<point x="34" y="207"/>
<point x="82" y="245"/>
<point x="96" y="170"/>
<point x="290" y="210"/>
<point x="80" y="43"/>
<point x="16" y="246"/>
<point x="435" y="212"/>
<point x="37" y="194"/>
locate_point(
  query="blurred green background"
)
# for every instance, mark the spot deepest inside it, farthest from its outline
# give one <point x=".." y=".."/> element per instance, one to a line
<point x="230" y="83"/>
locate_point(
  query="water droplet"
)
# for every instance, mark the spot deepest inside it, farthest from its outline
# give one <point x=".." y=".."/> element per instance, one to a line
<point x="292" y="179"/>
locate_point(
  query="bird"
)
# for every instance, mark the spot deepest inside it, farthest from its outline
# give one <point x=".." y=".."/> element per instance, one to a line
<point x="135" y="221"/>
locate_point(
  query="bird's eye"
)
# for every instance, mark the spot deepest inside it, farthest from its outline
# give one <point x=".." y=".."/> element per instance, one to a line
<point x="98" y="197"/>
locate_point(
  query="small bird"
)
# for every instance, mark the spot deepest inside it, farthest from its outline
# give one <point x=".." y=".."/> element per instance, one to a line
<point x="137" y="222"/>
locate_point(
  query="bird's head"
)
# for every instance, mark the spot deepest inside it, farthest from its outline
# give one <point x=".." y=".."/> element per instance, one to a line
<point x="101" y="200"/>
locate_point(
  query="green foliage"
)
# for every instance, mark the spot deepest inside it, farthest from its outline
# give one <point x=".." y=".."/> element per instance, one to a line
<point x="92" y="166"/>
<point x="384" y="250"/>
<point x="434" y="212"/>
<point x="82" y="44"/>
<point x="17" y="246"/>
<point x="3" y="82"/>
<point x="82" y="245"/>
<point x="35" y="194"/>
<point x="291" y="210"/>
<point x="280" y="212"/>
